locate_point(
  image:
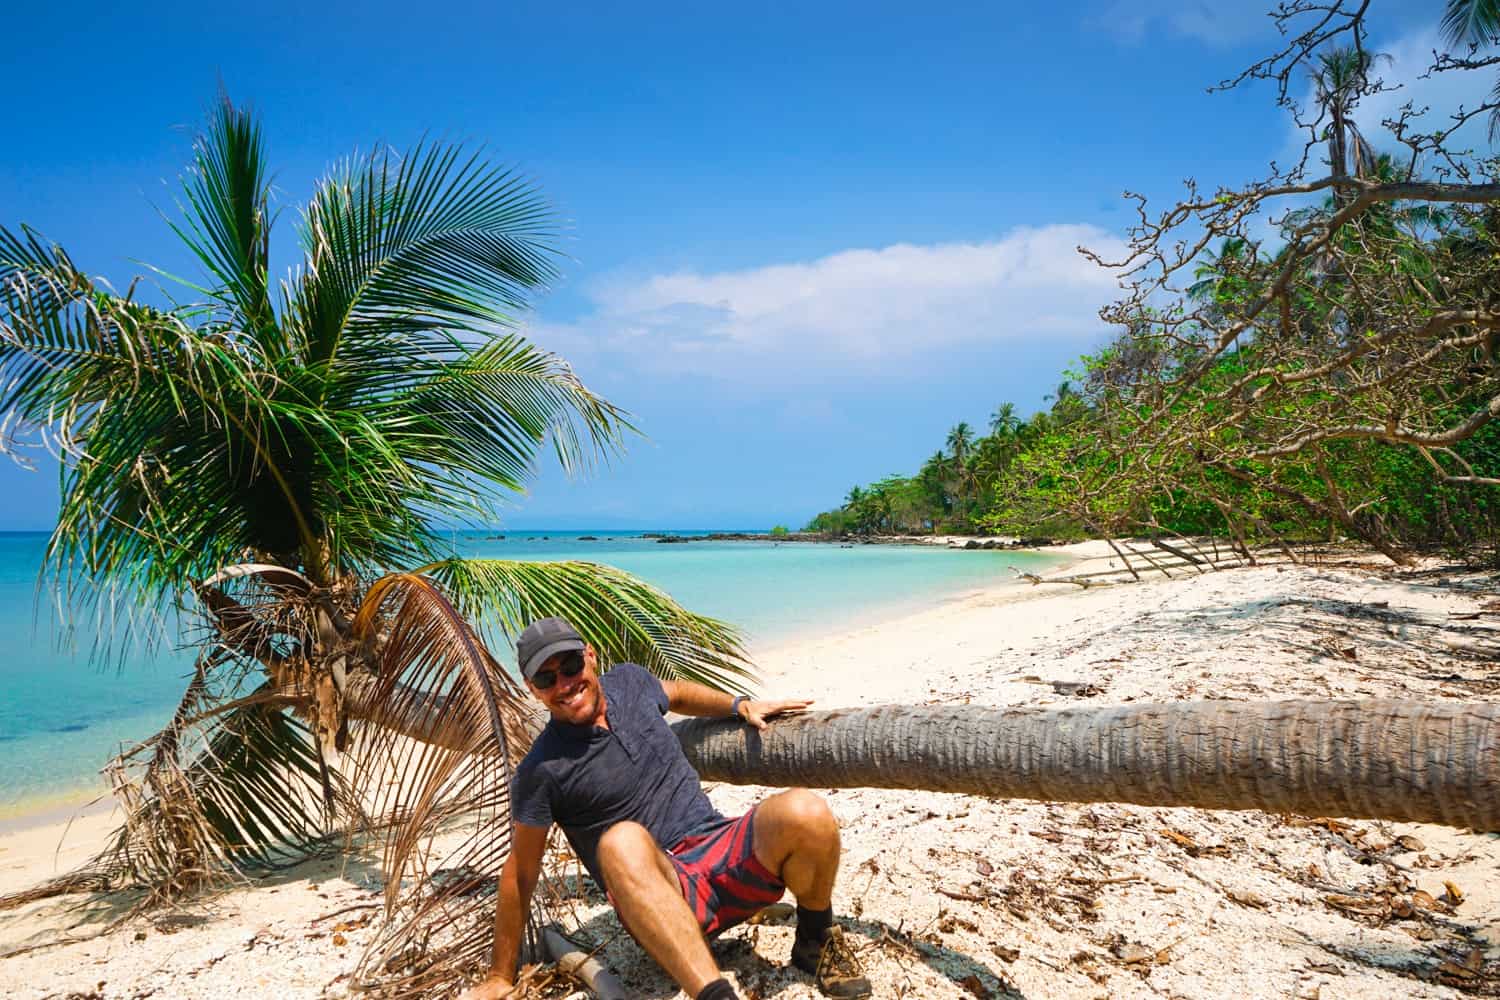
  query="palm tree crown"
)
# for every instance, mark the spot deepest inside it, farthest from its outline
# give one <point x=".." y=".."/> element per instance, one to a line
<point x="960" y="442"/>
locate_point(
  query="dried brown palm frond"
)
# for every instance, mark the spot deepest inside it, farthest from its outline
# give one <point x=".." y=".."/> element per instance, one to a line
<point x="294" y="633"/>
<point x="232" y="785"/>
<point x="439" y="724"/>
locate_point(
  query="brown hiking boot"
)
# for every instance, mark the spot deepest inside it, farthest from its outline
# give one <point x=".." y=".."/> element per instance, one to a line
<point x="834" y="966"/>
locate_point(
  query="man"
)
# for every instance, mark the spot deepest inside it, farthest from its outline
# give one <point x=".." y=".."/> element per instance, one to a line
<point x="610" y="772"/>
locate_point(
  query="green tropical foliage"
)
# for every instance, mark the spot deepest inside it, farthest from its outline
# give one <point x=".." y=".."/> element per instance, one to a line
<point x="955" y="491"/>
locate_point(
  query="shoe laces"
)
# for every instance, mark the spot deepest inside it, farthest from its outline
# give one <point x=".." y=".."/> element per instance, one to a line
<point x="837" y="960"/>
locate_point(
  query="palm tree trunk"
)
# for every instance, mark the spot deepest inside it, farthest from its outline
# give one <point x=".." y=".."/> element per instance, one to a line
<point x="1373" y="759"/>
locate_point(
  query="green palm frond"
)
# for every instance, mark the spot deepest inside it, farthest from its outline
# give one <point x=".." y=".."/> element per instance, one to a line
<point x="150" y="413"/>
<point x="38" y="273"/>
<point x="420" y="246"/>
<point x="626" y="619"/>
<point x="1471" y="21"/>
<point x="229" y="786"/>
<point x="487" y="413"/>
<point x="227" y="220"/>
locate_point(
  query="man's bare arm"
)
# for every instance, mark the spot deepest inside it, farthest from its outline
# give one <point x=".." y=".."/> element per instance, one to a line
<point x="517" y="883"/>
<point x="688" y="698"/>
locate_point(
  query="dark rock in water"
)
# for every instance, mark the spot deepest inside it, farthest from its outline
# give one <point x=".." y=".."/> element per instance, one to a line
<point x="494" y="538"/>
<point x="587" y="538"/>
<point x="671" y="539"/>
<point x="972" y="544"/>
<point x="993" y="543"/>
<point x="1035" y="542"/>
<point x="652" y="534"/>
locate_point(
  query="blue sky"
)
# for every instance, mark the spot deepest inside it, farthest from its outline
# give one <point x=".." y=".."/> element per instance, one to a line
<point x="804" y="239"/>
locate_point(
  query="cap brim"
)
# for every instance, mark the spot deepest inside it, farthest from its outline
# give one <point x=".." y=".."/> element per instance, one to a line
<point x="530" y="667"/>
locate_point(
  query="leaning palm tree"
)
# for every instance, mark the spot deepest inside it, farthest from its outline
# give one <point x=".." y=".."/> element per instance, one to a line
<point x="1376" y="759"/>
<point x="285" y="456"/>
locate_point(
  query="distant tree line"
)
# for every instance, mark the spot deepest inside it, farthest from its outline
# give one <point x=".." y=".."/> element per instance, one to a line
<point x="1315" y="354"/>
<point x="956" y="490"/>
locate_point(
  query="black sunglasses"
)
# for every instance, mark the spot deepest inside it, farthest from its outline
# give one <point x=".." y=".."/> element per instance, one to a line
<point x="571" y="666"/>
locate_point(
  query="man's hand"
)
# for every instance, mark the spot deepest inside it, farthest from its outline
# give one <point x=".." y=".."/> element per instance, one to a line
<point x="496" y="987"/>
<point x="757" y="712"/>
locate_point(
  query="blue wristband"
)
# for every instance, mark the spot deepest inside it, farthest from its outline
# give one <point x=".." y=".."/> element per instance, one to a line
<point x="734" y="706"/>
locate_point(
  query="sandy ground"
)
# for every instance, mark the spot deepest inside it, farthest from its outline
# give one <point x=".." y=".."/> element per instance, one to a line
<point x="956" y="896"/>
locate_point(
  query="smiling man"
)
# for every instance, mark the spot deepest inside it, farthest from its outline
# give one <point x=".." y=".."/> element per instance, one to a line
<point x="610" y="772"/>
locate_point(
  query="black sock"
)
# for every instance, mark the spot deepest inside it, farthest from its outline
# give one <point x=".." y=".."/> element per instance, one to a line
<point x="719" y="989"/>
<point x="813" y="924"/>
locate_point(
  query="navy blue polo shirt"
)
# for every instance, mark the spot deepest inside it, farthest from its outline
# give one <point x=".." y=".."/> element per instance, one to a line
<point x="586" y="779"/>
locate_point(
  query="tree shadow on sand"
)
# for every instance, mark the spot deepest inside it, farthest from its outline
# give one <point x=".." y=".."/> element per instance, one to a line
<point x="1458" y="963"/>
<point x="58" y="920"/>
<point x="878" y="945"/>
<point x="1361" y="640"/>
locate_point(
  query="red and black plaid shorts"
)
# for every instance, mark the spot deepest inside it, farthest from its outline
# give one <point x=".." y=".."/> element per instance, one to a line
<point x="722" y="879"/>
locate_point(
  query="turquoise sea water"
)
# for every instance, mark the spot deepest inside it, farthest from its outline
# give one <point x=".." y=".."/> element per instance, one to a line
<point x="64" y="712"/>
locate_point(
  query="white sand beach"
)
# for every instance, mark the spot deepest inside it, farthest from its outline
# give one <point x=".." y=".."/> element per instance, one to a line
<point x="952" y="896"/>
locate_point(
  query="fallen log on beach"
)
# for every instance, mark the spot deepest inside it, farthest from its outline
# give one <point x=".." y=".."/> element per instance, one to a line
<point x="1432" y="762"/>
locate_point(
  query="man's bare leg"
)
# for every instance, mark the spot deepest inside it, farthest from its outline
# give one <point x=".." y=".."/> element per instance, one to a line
<point x="649" y="900"/>
<point x="797" y="838"/>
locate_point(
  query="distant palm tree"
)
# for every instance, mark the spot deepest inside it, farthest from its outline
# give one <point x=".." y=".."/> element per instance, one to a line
<point x="1216" y="276"/>
<point x="960" y="450"/>
<point x="1340" y="78"/>
<point x="1004" y="421"/>
<point x="1063" y="391"/>
<point x="960" y="442"/>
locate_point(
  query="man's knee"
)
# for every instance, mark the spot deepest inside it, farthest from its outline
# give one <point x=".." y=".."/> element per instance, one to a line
<point x="804" y="813"/>
<point x="625" y="847"/>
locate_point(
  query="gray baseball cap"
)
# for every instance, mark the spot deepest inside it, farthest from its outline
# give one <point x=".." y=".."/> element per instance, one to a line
<point x="542" y="640"/>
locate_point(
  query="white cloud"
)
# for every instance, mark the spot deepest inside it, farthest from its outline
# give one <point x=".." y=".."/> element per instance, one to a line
<point x="1443" y="93"/>
<point x="873" y="309"/>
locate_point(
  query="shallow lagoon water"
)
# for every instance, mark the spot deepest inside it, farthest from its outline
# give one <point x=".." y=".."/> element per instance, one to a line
<point x="64" y="712"/>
